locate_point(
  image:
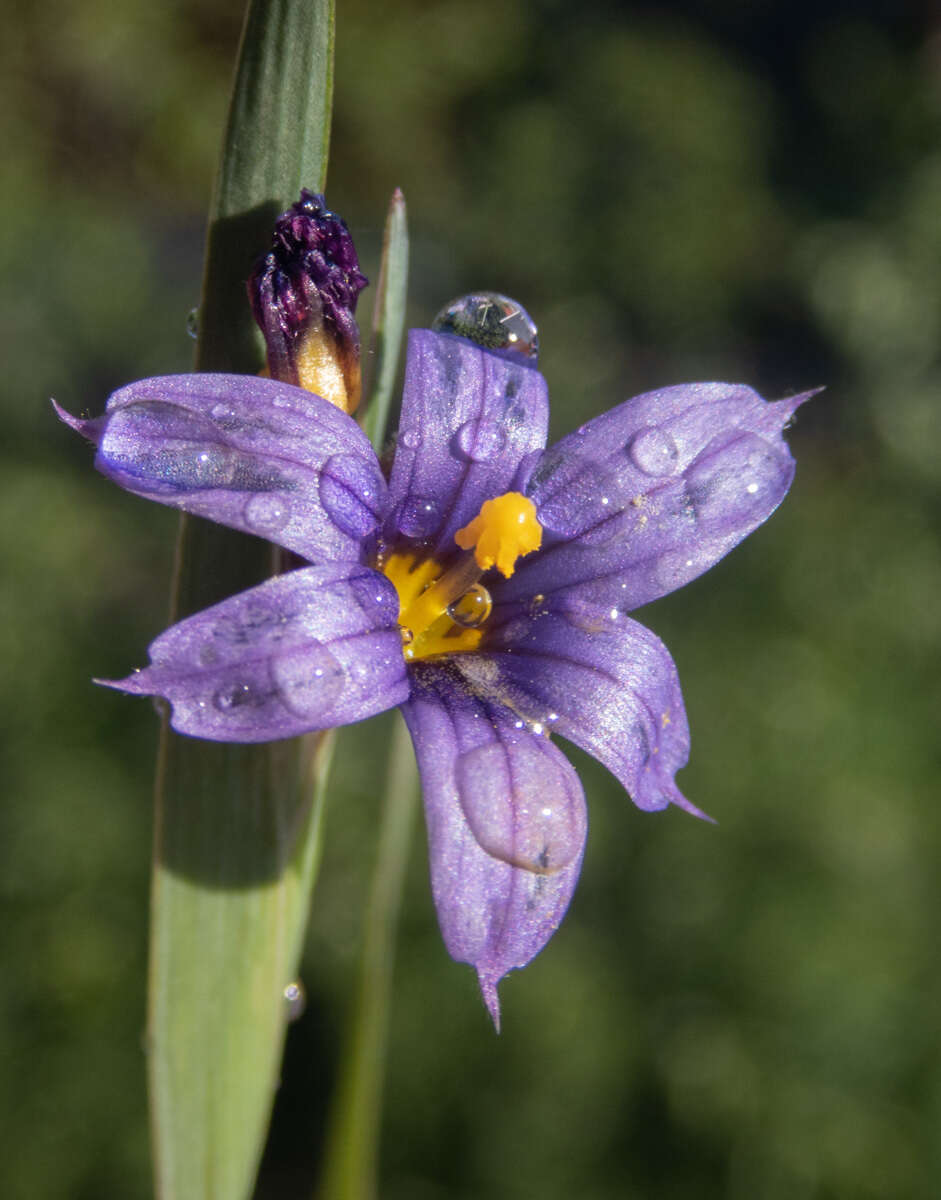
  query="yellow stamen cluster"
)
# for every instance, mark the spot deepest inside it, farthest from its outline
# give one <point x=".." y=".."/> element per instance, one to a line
<point x="426" y="593"/>
<point x="443" y="610"/>
<point x="504" y="530"/>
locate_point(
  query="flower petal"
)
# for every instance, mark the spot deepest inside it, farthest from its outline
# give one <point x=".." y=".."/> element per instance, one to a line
<point x="496" y="796"/>
<point x="649" y="495"/>
<point x="308" y="650"/>
<point x="260" y="456"/>
<point x="601" y="680"/>
<point x="468" y="419"/>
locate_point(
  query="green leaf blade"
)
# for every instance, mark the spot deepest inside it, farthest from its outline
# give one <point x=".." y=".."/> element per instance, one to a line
<point x="276" y="142"/>
<point x="237" y="828"/>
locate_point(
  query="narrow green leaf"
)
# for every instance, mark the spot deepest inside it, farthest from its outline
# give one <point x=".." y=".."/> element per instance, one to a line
<point x="388" y="322"/>
<point x="352" y="1147"/>
<point x="236" y="827"/>
<point x="230" y="897"/>
<point x="276" y="142"/>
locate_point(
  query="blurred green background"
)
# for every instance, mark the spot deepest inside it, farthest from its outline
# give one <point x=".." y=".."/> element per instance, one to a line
<point x="675" y="191"/>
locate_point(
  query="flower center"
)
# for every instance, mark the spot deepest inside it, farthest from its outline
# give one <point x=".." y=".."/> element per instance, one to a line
<point x="443" y="610"/>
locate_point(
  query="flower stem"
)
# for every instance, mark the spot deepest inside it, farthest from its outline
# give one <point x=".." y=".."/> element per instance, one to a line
<point x="351" y="1155"/>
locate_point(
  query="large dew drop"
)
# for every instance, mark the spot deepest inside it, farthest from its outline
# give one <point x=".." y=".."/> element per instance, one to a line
<point x="309" y="681"/>
<point x="739" y="483"/>
<point x="163" y="446"/>
<point x="493" y="321"/>
<point x="520" y="807"/>
<point x="654" y="451"/>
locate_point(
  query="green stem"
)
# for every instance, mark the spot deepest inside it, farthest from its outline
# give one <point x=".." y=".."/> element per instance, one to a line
<point x="351" y="1154"/>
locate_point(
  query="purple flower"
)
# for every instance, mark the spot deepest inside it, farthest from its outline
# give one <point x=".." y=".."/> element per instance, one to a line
<point x="484" y="587"/>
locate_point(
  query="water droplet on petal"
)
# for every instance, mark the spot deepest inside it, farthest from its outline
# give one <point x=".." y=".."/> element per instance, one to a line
<point x="654" y="451"/>
<point x="576" y="508"/>
<point x="223" y="415"/>
<point x="493" y="321"/>
<point x="410" y="438"/>
<point x="132" y="444"/>
<point x="309" y="680"/>
<point x="192" y="323"/>
<point x="737" y="484"/>
<point x="480" y="440"/>
<point x="527" y="816"/>
<point x="295" y="999"/>
<point x="419" y="517"/>
<point x="236" y="695"/>
<point x="473" y="608"/>
<point x="213" y="466"/>
<point x="350" y="491"/>
<point x="266" y="514"/>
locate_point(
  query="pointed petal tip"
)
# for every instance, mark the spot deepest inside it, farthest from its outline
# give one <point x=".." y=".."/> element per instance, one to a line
<point x="677" y="798"/>
<point x="129" y="684"/>
<point x="85" y="427"/>
<point x="488" y="990"/>
<point x="790" y="404"/>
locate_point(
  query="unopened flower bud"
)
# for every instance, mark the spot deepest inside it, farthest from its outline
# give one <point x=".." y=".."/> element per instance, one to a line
<point x="303" y="294"/>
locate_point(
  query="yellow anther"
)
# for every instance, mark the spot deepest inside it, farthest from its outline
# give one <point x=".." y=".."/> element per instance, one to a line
<point x="504" y="530"/>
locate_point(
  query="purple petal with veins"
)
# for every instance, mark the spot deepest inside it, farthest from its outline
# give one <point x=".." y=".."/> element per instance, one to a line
<point x="601" y="680"/>
<point x="506" y="826"/>
<point x="260" y="456"/>
<point x="468" y="419"/>
<point x="649" y="495"/>
<point x="311" y="649"/>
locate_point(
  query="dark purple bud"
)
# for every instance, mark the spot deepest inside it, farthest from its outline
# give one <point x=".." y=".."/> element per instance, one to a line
<point x="303" y="294"/>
